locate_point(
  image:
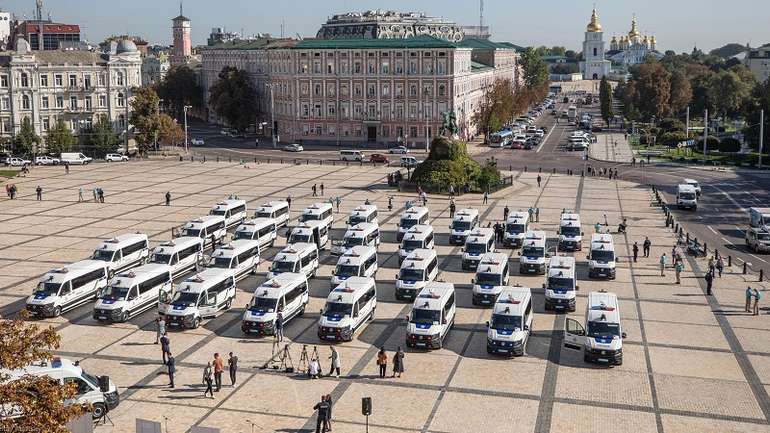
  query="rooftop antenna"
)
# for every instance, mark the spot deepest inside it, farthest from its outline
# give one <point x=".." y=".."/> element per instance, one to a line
<point x="180" y="9"/>
<point x="481" y="15"/>
<point x="283" y="24"/>
<point x="39" y="10"/>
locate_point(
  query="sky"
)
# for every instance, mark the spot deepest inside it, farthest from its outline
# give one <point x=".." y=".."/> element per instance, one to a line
<point x="678" y="25"/>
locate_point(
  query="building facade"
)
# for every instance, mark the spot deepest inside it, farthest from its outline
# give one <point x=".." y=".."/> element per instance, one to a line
<point x="74" y="86"/>
<point x="154" y="68"/>
<point x="51" y="34"/>
<point x="758" y="61"/>
<point x="632" y="49"/>
<point x="595" y="66"/>
<point x="378" y="24"/>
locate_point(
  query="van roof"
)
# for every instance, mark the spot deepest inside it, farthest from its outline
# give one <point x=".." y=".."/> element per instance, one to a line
<point x="235" y="247"/>
<point x="120" y="241"/>
<point x="228" y="203"/>
<point x="202" y="280"/>
<point x="466" y="214"/>
<point x="561" y="266"/>
<point x="272" y="205"/>
<point x="418" y="258"/>
<point x="602" y="241"/>
<point x="294" y="250"/>
<point x="278" y="285"/>
<point x="419" y="231"/>
<point x="512" y="300"/>
<point x="317" y="208"/>
<point x="360" y="229"/>
<point x="364" y="209"/>
<point x="479" y="233"/>
<point x="311" y="224"/>
<point x="57" y="368"/>
<point x="139" y="274"/>
<point x="685" y="187"/>
<point x="73" y="270"/>
<point x="205" y="220"/>
<point x="175" y="244"/>
<point x="569" y="219"/>
<point x="688" y="180"/>
<point x="534" y="237"/>
<point x="350" y="290"/>
<point x="492" y="262"/>
<point x="603" y="306"/>
<point x="254" y="224"/>
<point x="414" y="212"/>
<point x="357" y="254"/>
<point x="517" y="217"/>
<point x="434" y="295"/>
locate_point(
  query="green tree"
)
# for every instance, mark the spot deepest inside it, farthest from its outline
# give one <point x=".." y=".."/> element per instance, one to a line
<point x="732" y="89"/>
<point x="760" y="100"/>
<point x="60" y="139"/>
<point x="605" y="100"/>
<point x="535" y="70"/>
<point x="102" y="137"/>
<point x="180" y="88"/>
<point x="496" y="108"/>
<point x="652" y="85"/>
<point x="680" y="93"/>
<point x="144" y="117"/>
<point x="169" y="131"/>
<point x="728" y="50"/>
<point x="234" y="98"/>
<point x="25" y="140"/>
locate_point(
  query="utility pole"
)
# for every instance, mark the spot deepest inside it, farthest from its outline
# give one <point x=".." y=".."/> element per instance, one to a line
<point x="186" y="107"/>
<point x="705" y="134"/>
<point x="126" y="104"/>
<point x="687" y="127"/>
<point x="272" y="115"/>
<point x="761" y="135"/>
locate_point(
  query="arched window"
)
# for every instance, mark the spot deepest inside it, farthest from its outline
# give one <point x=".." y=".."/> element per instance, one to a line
<point x="121" y="99"/>
<point x="25" y="102"/>
<point x="441" y="90"/>
<point x="24" y="79"/>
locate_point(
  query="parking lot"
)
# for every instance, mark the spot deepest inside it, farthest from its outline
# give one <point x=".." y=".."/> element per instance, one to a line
<point x="691" y="362"/>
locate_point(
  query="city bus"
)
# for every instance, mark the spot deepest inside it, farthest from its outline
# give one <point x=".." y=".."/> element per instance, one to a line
<point x="501" y="138"/>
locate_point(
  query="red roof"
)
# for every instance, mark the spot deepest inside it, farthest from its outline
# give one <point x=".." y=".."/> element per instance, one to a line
<point x="53" y="28"/>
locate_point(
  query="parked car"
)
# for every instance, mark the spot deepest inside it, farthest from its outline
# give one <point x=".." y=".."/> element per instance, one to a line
<point x="409" y="161"/>
<point x="197" y="142"/>
<point x="294" y="147"/>
<point x="115" y="157"/>
<point x="17" y="162"/>
<point x="401" y="150"/>
<point x="378" y="158"/>
<point x="46" y="160"/>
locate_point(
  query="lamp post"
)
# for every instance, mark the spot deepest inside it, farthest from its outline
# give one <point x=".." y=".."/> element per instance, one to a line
<point x="272" y="114"/>
<point x="186" y="107"/>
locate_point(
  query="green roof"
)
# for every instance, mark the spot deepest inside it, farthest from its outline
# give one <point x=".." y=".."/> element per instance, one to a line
<point x="476" y="66"/>
<point x="254" y="44"/>
<point x="480" y="44"/>
<point x="422" y="41"/>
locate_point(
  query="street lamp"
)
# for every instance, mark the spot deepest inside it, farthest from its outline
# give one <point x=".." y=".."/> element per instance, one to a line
<point x="186" y="107"/>
<point x="272" y="114"/>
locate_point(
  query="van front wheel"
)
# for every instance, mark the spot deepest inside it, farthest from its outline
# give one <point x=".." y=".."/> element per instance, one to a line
<point x="99" y="411"/>
<point x="229" y="304"/>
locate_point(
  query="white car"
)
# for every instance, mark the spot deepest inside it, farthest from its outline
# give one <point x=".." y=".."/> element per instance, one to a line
<point x="46" y="160"/>
<point x="294" y="147"/>
<point x="402" y="150"/>
<point x="197" y="142"/>
<point x="410" y="161"/>
<point x="18" y="162"/>
<point x="115" y="157"/>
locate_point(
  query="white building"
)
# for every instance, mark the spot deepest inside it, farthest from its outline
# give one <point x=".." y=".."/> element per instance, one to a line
<point x="758" y="61"/>
<point x="74" y="86"/>
<point x="595" y="66"/>
<point x="632" y="49"/>
<point x="154" y="68"/>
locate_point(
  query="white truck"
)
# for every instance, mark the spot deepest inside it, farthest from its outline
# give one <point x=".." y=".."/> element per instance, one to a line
<point x="758" y="233"/>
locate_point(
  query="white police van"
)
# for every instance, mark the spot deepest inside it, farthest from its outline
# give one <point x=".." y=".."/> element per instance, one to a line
<point x="98" y="391"/>
<point x="201" y="296"/>
<point x="348" y="306"/>
<point x="602" y="258"/>
<point x="123" y="252"/>
<point x="314" y="232"/>
<point x="64" y="288"/>
<point x="464" y="221"/>
<point x="411" y="217"/>
<point x="561" y="284"/>
<point x="511" y="324"/>
<point x="479" y="242"/>
<point x="205" y="228"/>
<point x="366" y="234"/>
<point x="570" y="232"/>
<point x="418" y="269"/>
<point x="365" y="213"/>
<point x="263" y="230"/>
<point x="287" y="293"/>
<point x="602" y="342"/>
<point x="533" y="253"/>
<point x="516" y="226"/>
<point x="318" y="212"/>
<point x="686" y="197"/>
<point x="277" y="211"/>
<point x="241" y="257"/>
<point x="181" y="254"/>
<point x="418" y="237"/>
<point x="233" y="210"/>
<point x="359" y="261"/>
<point x="301" y="258"/>
<point x="693" y="183"/>
<point x="491" y="275"/>
<point x="432" y="316"/>
<point x="132" y="292"/>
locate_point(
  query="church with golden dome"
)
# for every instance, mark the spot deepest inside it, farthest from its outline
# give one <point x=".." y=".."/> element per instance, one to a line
<point x="633" y="48"/>
<point x="594" y="65"/>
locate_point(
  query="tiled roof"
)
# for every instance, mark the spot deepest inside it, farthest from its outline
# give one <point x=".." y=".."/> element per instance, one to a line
<point x="256" y="44"/>
<point x="60" y="57"/>
<point x="486" y="44"/>
<point x="422" y="41"/>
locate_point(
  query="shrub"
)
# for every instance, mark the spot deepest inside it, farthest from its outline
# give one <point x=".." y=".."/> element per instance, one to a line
<point x="671" y="125"/>
<point x="730" y="145"/>
<point x="711" y="144"/>
<point x="673" y="138"/>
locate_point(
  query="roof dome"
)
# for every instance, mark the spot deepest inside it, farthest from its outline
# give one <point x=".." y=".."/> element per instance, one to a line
<point x="634" y="30"/>
<point x="594" y="26"/>
<point x="126" y="46"/>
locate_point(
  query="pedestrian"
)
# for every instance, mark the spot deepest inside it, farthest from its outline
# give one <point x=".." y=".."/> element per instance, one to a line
<point x="213" y="240"/>
<point x="452" y="208"/>
<point x="207" y="380"/>
<point x="96" y="196"/>
<point x="709" y="277"/>
<point x="314" y="369"/>
<point x="757" y="297"/>
<point x="66" y="168"/>
<point x="279" y="327"/>
<point x="382" y="362"/>
<point x="171" y="368"/>
<point x="288" y="200"/>
<point x="486" y="197"/>
<point x="80" y="194"/>
<point x="339" y="202"/>
<point x="531" y="211"/>
<point x="424" y="198"/>
<point x="328" y="423"/>
<point x="506" y="211"/>
<point x="390" y="203"/>
<point x="314" y="190"/>
<point x="663" y="260"/>
<point x="168" y="198"/>
<point x="160" y="330"/>
<point x="322" y="409"/>
<point x="674" y="256"/>
<point x="101" y="195"/>
<point x="749" y="296"/>
<point x="335" y="362"/>
<point x="165" y="347"/>
<point x="232" y="364"/>
<point x="678" y="268"/>
<point x="646" y="246"/>
<point x="712" y="265"/>
<point x="537" y="214"/>
<point x="539" y="180"/>
<point x="8" y="190"/>
<point x="398" y="362"/>
<point x="720" y="266"/>
<point x="451" y="191"/>
<point x="635" y="248"/>
<point x="219" y="367"/>
<point x="39" y="193"/>
<point x="322" y="189"/>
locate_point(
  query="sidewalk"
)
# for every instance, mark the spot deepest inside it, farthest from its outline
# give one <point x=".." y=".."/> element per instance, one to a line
<point x="611" y="147"/>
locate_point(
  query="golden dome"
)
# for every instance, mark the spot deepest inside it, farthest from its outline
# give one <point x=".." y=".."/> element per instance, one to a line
<point x="594" y="25"/>
<point x="634" y="30"/>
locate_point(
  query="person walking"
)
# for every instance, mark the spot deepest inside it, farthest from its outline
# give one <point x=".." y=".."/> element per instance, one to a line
<point x="160" y="328"/>
<point x="537" y="214"/>
<point x="171" y="368"/>
<point x="663" y="260"/>
<point x="165" y="347"/>
<point x="96" y="195"/>
<point x="678" y="268"/>
<point x="66" y="168"/>
<point x="314" y="190"/>
<point x="335" y="362"/>
<point x="398" y="362"/>
<point x="539" y="180"/>
<point x="712" y="265"/>
<point x="322" y="189"/>
<point x="757" y="297"/>
<point x="720" y="266"/>
<point x="635" y="249"/>
<point x="452" y="208"/>
<point x="219" y="367"/>
<point x="80" y="194"/>
<point x="207" y="380"/>
<point x="749" y="296"/>
<point x="390" y="203"/>
<point x="328" y="423"/>
<point x="382" y="361"/>
<point x="39" y="193"/>
<point x="288" y="200"/>
<point x="451" y="191"/>
<point x="506" y="211"/>
<point x="322" y="409"/>
<point x="279" y="327"/>
<point x="168" y="198"/>
<point x="709" y="277"/>
<point x="232" y="364"/>
<point x="486" y="197"/>
<point x="339" y="202"/>
<point x="646" y="246"/>
<point x="101" y="195"/>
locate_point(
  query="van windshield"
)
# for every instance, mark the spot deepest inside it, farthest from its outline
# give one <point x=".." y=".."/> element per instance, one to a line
<point x="346" y="271"/>
<point x="558" y="283"/>
<point x="475" y="248"/>
<point x="763" y="236"/>
<point x="356" y="219"/>
<point x="283" y="266"/>
<point x="191" y="232"/>
<point x="602" y="255"/>
<point x="687" y="196"/>
<point x="570" y="231"/>
<point x="603" y="329"/>
<point x="488" y="279"/>
<point x="410" y="245"/>
<point x="407" y="223"/>
<point x="425" y="316"/>
<point x="515" y="229"/>
<point x="410" y="274"/>
<point x="103" y="255"/>
<point x="461" y="225"/>
<point x="263" y="305"/>
<point x="186" y="299"/>
<point x="91" y="379"/>
<point x="114" y="293"/>
<point x="351" y="242"/>
<point x="300" y="237"/>
<point x="49" y="289"/>
<point x="337" y="309"/>
<point x="243" y="234"/>
<point x="220" y="262"/>
<point x="533" y="251"/>
<point x="505" y="322"/>
<point x="162" y="259"/>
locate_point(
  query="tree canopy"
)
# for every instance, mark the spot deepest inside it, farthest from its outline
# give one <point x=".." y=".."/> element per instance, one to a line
<point x="144" y="117"/>
<point x="102" y="137"/>
<point x="605" y="100"/>
<point x="179" y="88"/>
<point x="234" y="98"/>
<point x="534" y="68"/>
<point x="60" y="138"/>
<point x="25" y="140"/>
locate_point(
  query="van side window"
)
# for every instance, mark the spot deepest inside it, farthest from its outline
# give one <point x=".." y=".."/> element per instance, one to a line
<point x="528" y="310"/>
<point x="80" y="384"/>
<point x="370" y="261"/>
<point x="189" y="251"/>
<point x="218" y="226"/>
<point x="238" y="209"/>
<point x="372" y="217"/>
<point x="87" y="278"/>
<point x="246" y="255"/>
<point x="428" y="239"/>
<point x="138" y="246"/>
<point x="153" y="282"/>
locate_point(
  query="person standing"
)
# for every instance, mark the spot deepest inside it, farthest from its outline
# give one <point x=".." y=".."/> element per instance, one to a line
<point x="168" y="198"/>
<point x="328" y="423"/>
<point x="279" y="327"/>
<point x="66" y="168"/>
<point x="339" y="202"/>
<point x="720" y="266"/>
<point x="709" y="277"/>
<point x="757" y="297"/>
<point x="663" y="260"/>
<point x="101" y="195"/>
<point x="749" y="295"/>
<point x="160" y="328"/>
<point x="539" y="180"/>
<point x="39" y="193"/>
<point x="322" y="189"/>
<point x="398" y="362"/>
<point x="335" y="362"/>
<point x="80" y="194"/>
<point x="451" y="191"/>
<point x="712" y="265"/>
<point x="646" y="246"/>
<point x="322" y="409"/>
<point x="452" y="208"/>
<point x="635" y="249"/>
<point x="207" y="380"/>
<point x="382" y="362"/>
<point x="314" y="188"/>
<point x="537" y="214"/>
<point x="165" y="346"/>
<point x="232" y="363"/>
<point x="678" y="268"/>
<point x="171" y="368"/>
<point x="486" y="197"/>
<point x="288" y="200"/>
<point x="96" y="195"/>
<point x="506" y="211"/>
<point x="219" y="367"/>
